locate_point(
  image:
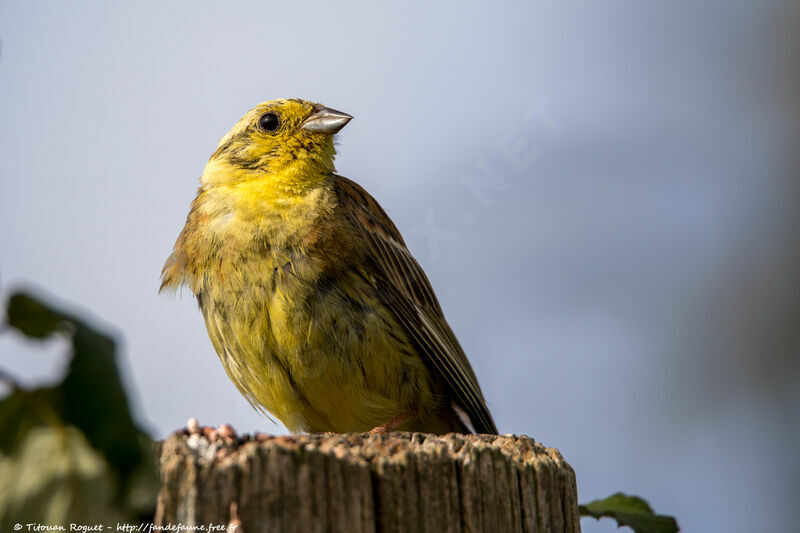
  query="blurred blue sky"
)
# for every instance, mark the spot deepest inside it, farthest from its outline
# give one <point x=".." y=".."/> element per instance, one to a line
<point x="624" y="284"/>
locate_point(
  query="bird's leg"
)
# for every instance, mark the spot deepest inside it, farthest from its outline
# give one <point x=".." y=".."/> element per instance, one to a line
<point x="394" y="423"/>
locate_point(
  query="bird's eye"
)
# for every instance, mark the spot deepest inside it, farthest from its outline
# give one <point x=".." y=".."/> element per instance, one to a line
<point x="269" y="122"/>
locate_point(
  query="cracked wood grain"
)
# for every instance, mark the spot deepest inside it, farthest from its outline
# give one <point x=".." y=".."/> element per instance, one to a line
<point x="366" y="483"/>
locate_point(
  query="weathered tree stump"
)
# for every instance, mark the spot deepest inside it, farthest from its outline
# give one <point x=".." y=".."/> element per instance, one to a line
<point x="404" y="482"/>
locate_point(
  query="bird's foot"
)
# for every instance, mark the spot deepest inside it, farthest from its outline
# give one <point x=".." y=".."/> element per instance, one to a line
<point x="393" y="424"/>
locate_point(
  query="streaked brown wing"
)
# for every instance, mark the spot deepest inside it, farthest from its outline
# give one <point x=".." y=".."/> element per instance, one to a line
<point x="407" y="292"/>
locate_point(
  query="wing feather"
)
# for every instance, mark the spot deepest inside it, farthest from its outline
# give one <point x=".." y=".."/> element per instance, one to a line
<point x="406" y="291"/>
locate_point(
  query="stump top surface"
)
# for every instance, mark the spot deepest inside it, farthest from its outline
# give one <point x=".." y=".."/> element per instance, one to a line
<point x="396" y="446"/>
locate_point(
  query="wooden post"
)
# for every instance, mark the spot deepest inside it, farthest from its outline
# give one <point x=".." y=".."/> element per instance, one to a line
<point x="364" y="483"/>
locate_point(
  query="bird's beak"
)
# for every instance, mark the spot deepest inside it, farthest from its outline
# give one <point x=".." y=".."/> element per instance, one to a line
<point x="325" y="120"/>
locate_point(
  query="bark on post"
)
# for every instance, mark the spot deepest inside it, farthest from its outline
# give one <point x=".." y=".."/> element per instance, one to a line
<point x="363" y="483"/>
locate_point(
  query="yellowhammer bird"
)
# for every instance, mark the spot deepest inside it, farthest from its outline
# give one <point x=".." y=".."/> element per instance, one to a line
<point x="318" y="311"/>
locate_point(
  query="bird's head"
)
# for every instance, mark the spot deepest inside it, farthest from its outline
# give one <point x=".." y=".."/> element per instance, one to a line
<point x="285" y="138"/>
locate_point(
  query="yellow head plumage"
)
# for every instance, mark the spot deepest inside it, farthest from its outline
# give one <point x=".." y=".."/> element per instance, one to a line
<point x="290" y="140"/>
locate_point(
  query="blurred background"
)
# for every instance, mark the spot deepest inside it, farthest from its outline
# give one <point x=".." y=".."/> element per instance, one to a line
<point x="605" y="197"/>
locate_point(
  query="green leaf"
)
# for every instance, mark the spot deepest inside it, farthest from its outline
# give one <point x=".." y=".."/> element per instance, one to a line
<point x="95" y="401"/>
<point x="55" y="477"/>
<point x="630" y="511"/>
<point x="21" y="411"/>
<point x="32" y="317"/>
<point x="90" y="398"/>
